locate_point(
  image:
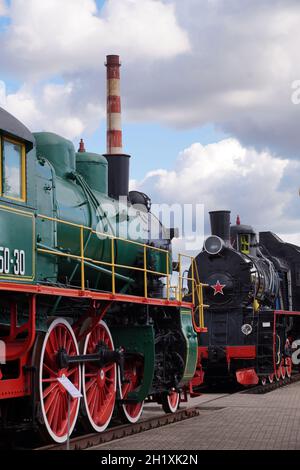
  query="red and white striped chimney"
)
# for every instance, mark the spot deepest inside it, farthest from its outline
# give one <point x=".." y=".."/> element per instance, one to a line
<point x="114" y="124"/>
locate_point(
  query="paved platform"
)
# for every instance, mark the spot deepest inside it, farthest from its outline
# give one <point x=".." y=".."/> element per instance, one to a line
<point x="239" y="421"/>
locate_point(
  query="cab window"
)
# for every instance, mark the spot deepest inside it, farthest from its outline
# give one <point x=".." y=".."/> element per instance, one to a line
<point x="13" y="170"/>
<point x="245" y="244"/>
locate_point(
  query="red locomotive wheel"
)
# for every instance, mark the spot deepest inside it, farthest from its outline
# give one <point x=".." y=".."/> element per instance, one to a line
<point x="282" y="370"/>
<point x="271" y="378"/>
<point x="170" y="401"/>
<point x="278" y="374"/>
<point x="263" y="381"/>
<point x="288" y="366"/>
<point x="52" y="395"/>
<point x="99" y="384"/>
<point x="133" y="371"/>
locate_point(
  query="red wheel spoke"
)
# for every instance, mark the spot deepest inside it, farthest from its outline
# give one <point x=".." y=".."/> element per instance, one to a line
<point x="134" y="376"/>
<point x="50" y="389"/>
<point x="54" y="401"/>
<point x="108" y="368"/>
<point x="99" y="382"/>
<point x="71" y="372"/>
<point x="51" y="402"/>
<point x="53" y="340"/>
<point x="59" y="337"/>
<point x="126" y="387"/>
<point x="91" y="391"/>
<point x="49" y="370"/>
<point x="50" y="380"/>
<point x="109" y="380"/>
<point x="91" y="374"/>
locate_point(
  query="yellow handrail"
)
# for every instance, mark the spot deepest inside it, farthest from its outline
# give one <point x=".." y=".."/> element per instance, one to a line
<point x="178" y="291"/>
<point x="82" y="258"/>
<point x="196" y="293"/>
<point x="113" y="266"/>
<point x="145" y="273"/>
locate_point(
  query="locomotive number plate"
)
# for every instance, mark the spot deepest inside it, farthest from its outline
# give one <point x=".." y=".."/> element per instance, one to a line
<point x="17" y="238"/>
<point x="12" y="264"/>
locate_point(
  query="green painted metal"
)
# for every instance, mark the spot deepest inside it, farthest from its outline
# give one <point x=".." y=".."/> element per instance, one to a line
<point x="138" y="339"/>
<point x="94" y="169"/>
<point x="67" y="195"/>
<point x="191" y="344"/>
<point x="47" y="267"/>
<point x="57" y="150"/>
<point x="17" y="244"/>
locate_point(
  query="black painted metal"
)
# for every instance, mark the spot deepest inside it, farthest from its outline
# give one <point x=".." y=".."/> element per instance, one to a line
<point x="118" y="175"/>
<point x="220" y="224"/>
<point x="14" y="128"/>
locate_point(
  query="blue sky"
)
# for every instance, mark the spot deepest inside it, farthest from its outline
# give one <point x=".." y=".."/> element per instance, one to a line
<point x="153" y="146"/>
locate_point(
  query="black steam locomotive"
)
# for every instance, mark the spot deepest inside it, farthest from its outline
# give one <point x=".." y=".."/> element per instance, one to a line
<point x="253" y="297"/>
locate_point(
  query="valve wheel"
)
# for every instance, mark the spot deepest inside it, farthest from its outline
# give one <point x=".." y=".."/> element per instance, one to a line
<point x="288" y="366"/>
<point x="170" y="401"/>
<point x="133" y="373"/>
<point x="52" y="396"/>
<point x="99" y="383"/>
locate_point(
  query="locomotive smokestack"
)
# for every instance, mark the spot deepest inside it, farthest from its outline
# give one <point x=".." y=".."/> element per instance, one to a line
<point x="114" y="126"/>
<point x="220" y="225"/>
<point x="81" y="146"/>
<point x="118" y="162"/>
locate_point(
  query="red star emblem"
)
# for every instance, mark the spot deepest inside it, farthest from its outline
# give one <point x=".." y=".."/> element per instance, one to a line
<point x="218" y="288"/>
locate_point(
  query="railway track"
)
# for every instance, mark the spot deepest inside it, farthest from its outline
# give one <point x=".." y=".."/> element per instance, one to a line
<point x="118" y="432"/>
<point x="88" y="441"/>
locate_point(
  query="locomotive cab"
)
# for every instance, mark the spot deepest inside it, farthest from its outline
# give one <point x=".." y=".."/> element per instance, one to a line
<point x="243" y="238"/>
<point x="17" y="161"/>
<point x="17" y="196"/>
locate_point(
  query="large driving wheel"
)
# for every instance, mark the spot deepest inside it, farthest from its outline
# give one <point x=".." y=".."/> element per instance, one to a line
<point x="288" y="366"/>
<point x="52" y="396"/>
<point x="133" y="372"/>
<point x="99" y="383"/>
<point x="170" y="401"/>
<point x="282" y="370"/>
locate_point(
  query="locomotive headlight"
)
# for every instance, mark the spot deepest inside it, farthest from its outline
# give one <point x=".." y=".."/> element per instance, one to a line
<point x="246" y="329"/>
<point x="213" y="245"/>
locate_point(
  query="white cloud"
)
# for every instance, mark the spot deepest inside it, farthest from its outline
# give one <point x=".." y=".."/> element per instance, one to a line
<point x="53" y="107"/>
<point x="2" y="94"/>
<point x="185" y="63"/>
<point x="226" y="175"/>
<point x="70" y="39"/>
<point x="239" y="74"/>
<point x="55" y="36"/>
<point x="290" y="238"/>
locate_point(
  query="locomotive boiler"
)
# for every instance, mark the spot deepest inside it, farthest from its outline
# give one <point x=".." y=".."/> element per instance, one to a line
<point x="252" y="297"/>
